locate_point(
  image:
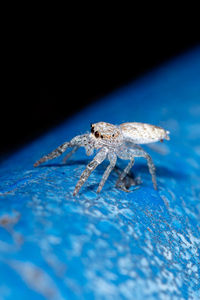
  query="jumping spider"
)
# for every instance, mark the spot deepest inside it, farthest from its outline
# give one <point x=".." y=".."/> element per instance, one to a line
<point x="112" y="141"/>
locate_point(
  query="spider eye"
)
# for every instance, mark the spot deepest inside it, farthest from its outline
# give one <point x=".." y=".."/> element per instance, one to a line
<point x="92" y="129"/>
<point x="96" y="134"/>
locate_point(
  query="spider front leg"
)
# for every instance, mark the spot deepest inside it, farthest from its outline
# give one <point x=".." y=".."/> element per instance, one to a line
<point x="98" y="159"/>
<point x="57" y="152"/>
<point x="75" y="143"/>
<point x="70" y="153"/>
<point x="113" y="159"/>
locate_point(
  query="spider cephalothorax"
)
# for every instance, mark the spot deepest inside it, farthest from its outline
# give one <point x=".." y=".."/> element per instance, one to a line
<point x="112" y="141"/>
<point x="106" y="133"/>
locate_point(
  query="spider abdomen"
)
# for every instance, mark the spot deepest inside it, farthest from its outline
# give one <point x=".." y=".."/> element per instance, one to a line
<point x="142" y="133"/>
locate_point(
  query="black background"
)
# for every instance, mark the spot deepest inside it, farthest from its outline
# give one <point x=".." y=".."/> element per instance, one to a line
<point x="77" y="68"/>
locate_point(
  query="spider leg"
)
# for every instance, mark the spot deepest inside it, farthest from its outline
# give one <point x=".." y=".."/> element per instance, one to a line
<point x="57" y="152"/>
<point x="113" y="159"/>
<point x="98" y="159"/>
<point x="152" y="169"/>
<point x="76" y="142"/>
<point x="70" y="153"/>
<point x="123" y="175"/>
<point x="139" y="152"/>
<point x="132" y="151"/>
<point x="127" y="169"/>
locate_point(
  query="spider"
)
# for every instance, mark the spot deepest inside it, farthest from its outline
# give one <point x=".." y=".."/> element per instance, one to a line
<point x="112" y="141"/>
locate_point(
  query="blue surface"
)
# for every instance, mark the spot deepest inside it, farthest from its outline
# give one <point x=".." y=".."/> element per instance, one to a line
<point x="114" y="245"/>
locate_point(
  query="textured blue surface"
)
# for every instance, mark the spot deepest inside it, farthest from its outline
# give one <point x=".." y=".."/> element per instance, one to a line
<point x="115" y="245"/>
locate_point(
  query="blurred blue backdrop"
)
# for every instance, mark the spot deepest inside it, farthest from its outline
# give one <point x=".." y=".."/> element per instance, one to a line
<point x="113" y="245"/>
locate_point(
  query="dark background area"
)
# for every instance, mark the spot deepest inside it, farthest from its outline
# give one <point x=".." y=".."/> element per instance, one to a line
<point x="73" y="72"/>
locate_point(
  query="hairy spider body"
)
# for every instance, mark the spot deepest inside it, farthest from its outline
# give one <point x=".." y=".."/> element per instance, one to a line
<point x="112" y="141"/>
